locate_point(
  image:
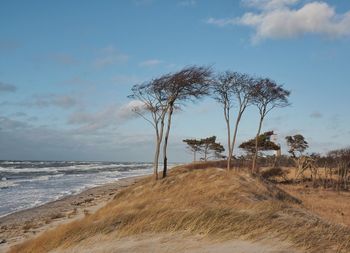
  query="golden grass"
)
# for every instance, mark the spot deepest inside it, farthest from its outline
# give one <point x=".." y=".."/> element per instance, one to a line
<point x="213" y="202"/>
<point x="329" y="204"/>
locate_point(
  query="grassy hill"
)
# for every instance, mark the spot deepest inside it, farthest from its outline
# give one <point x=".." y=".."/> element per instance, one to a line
<point x="201" y="201"/>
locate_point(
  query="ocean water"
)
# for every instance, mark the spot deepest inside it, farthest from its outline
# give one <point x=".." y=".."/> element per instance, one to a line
<point x="26" y="184"/>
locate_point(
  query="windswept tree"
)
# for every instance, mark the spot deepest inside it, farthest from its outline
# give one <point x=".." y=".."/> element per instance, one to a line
<point x="267" y="96"/>
<point x="206" y="144"/>
<point x="194" y="146"/>
<point x="232" y="88"/>
<point x="152" y="101"/>
<point x="297" y="145"/>
<point x="189" y="83"/>
<point x="217" y="150"/>
<point x="264" y="144"/>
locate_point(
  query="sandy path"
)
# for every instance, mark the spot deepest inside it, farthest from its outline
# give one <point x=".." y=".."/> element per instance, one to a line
<point x="26" y="224"/>
<point x="176" y="243"/>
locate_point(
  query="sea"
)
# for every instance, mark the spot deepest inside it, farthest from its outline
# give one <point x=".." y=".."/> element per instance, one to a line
<point x="26" y="184"/>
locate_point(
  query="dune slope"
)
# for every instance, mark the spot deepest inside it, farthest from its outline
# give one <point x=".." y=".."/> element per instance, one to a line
<point x="208" y="202"/>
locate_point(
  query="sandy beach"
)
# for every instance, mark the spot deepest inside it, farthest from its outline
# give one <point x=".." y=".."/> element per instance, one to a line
<point x="23" y="225"/>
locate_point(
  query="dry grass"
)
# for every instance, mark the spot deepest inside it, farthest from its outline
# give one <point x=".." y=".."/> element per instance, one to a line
<point x="209" y="202"/>
<point x="330" y="205"/>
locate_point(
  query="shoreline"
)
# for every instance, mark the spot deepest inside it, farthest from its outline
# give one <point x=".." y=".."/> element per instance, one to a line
<point x="25" y="224"/>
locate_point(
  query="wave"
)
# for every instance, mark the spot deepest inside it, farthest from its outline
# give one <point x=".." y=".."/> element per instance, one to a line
<point x="80" y="167"/>
<point x="4" y="184"/>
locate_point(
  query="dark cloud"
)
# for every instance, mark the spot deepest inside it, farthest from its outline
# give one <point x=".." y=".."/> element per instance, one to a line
<point x="5" y="87"/>
<point x="11" y="124"/>
<point x="24" y="140"/>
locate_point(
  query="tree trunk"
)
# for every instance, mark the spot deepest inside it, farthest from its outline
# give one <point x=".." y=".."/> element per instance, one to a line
<point x="159" y="135"/>
<point x="205" y="153"/>
<point x="165" y="160"/>
<point x="227" y="118"/>
<point x="255" y="157"/>
<point x="235" y="132"/>
<point x="156" y="154"/>
<point x="194" y="156"/>
<point x="156" y="159"/>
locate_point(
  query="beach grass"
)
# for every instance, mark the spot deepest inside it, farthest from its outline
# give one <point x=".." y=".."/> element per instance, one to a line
<point x="205" y="200"/>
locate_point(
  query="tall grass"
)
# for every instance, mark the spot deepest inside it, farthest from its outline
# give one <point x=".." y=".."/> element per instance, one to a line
<point x="212" y="202"/>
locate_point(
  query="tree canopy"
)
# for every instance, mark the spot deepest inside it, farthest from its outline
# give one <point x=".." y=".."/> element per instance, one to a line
<point x="296" y="144"/>
<point x="264" y="143"/>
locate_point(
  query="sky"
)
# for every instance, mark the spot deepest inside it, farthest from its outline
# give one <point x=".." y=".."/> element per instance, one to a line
<point x="66" y="69"/>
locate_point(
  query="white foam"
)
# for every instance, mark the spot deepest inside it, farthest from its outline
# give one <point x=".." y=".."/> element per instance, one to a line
<point x="7" y="184"/>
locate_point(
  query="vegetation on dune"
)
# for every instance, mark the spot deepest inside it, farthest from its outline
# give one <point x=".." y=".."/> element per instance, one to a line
<point x="160" y="96"/>
<point x="211" y="202"/>
<point x="206" y="146"/>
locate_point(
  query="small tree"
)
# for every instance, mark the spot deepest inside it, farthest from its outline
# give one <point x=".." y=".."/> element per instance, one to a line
<point x="217" y="150"/>
<point x="206" y="145"/>
<point x="264" y="144"/>
<point x="267" y="95"/>
<point x="194" y="146"/>
<point x="297" y="145"/>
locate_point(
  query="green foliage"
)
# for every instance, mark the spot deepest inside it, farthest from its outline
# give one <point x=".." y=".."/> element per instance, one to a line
<point x="206" y="146"/>
<point x="264" y="143"/>
<point x="296" y="144"/>
<point x="193" y="144"/>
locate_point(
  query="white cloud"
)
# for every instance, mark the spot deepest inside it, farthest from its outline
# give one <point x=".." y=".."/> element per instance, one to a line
<point x="111" y="115"/>
<point x="127" y="111"/>
<point x="277" y="19"/>
<point x="150" y="63"/>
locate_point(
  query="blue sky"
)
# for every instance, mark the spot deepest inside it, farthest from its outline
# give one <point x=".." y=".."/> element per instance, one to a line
<point x="66" y="68"/>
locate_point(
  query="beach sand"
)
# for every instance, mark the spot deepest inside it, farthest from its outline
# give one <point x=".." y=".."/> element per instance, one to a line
<point x="23" y="225"/>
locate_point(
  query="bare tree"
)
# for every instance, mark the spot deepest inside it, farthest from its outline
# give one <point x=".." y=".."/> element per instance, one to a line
<point x="187" y="84"/>
<point x="267" y="95"/>
<point x="228" y="88"/>
<point x="153" y="101"/>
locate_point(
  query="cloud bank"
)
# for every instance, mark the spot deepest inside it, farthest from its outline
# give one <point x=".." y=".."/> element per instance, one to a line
<point x="281" y="19"/>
